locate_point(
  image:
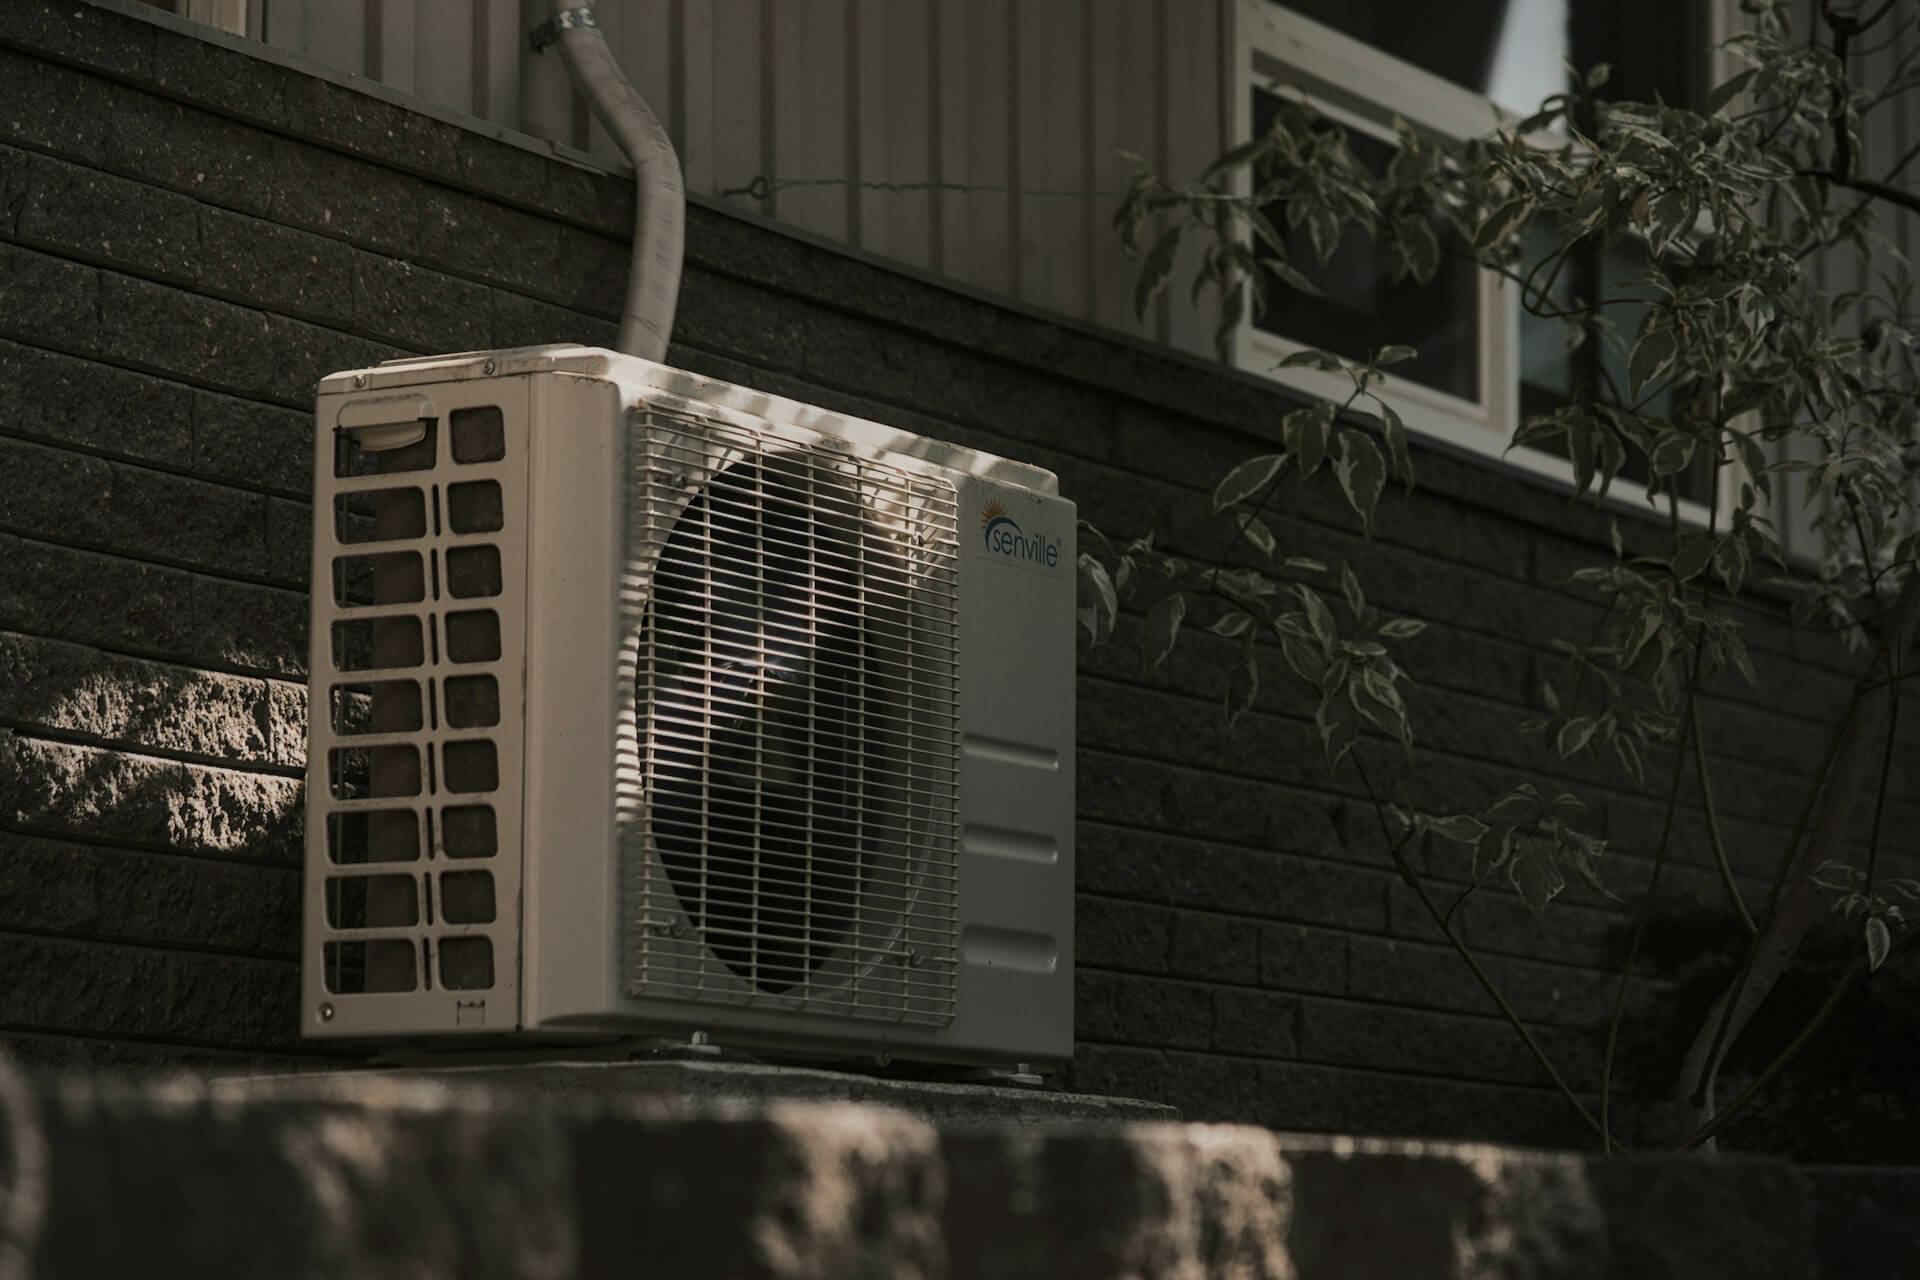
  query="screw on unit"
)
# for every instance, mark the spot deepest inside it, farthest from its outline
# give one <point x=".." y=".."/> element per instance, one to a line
<point x="487" y="367"/>
<point x="359" y="379"/>
<point x="326" y="1013"/>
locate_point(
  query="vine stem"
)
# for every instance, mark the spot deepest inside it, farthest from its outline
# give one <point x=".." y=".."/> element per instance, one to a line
<point x="1713" y="823"/>
<point x="1640" y="926"/>
<point x="1397" y="850"/>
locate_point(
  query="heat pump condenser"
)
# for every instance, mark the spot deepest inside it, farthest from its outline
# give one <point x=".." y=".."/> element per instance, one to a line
<point x="642" y="703"/>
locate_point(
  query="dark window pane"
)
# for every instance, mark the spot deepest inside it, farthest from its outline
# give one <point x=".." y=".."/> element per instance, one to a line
<point x="1363" y="309"/>
<point x="1552" y="377"/>
<point x="1512" y="50"/>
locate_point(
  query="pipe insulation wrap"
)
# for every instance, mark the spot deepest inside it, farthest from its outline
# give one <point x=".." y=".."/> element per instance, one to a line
<point x="660" y="206"/>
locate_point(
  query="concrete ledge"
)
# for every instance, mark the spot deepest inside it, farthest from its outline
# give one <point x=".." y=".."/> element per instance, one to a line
<point x="684" y="1087"/>
<point x="385" y="1176"/>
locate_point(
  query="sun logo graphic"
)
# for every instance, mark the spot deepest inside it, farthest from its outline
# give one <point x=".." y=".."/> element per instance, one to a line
<point x="1002" y="535"/>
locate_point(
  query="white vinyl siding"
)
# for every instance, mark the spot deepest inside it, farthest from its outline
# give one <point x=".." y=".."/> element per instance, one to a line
<point x="1016" y="100"/>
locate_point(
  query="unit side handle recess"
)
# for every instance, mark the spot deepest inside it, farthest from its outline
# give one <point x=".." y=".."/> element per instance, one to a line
<point x="378" y="423"/>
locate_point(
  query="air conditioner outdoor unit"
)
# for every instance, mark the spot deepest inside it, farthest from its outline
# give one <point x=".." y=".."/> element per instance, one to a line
<point x="643" y="704"/>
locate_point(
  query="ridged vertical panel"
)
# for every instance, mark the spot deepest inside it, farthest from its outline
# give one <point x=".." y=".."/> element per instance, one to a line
<point x="961" y="111"/>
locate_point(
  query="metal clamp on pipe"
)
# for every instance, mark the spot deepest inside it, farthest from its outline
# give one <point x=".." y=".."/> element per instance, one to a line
<point x="553" y="28"/>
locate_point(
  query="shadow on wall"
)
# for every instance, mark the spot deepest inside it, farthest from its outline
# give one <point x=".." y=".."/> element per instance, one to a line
<point x="150" y="847"/>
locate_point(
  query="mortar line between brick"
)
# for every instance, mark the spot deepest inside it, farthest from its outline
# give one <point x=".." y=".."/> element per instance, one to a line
<point x="31" y="1031"/>
<point x="172" y="948"/>
<point x="1519" y="710"/>
<point x="198" y="571"/>
<point x="1333" y="791"/>
<point x="293" y="864"/>
<point x="155" y="656"/>
<point x="1755" y="880"/>
<point x="1490" y="1018"/>
<point x="134" y="750"/>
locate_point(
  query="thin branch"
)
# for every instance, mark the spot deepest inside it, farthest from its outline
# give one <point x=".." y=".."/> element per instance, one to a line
<point x="1725" y="1013"/>
<point x="1795" y="906"/>
<point x="1639" y="933"/>
<point x="1786" y="1055"/>
<point x="1459" y="902"/>
<point x="1843" y="28"/>
<point x="1412" y="878"/>
<point x="1908" y="200"/>
<point x="1880" y="800"/>
<point x="1713" y="826"/>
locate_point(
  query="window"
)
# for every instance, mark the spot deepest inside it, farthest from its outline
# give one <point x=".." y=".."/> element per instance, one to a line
<point x="1454" y="71"/>
<point x="235" y="16"/>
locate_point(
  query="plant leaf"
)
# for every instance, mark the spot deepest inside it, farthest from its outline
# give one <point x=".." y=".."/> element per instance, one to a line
<point x="1461" y="828"/>
<point x="1163" y="628"/>
<point x="1255" y="530"/>
<point x="1692" y="557"/>
<point x="1535" y="872"/>
<point x="1491" y="851"/>
<point x="1402" y="628"/>
<point x="1247" y="479"/>
<point x="1502" y="222"/>
<point x="1350" y="587"/>
<point x="1098" y="604"/>
<point x="1156" y="270"/>
<point x="1395" y="432"/>
<point x="1652" y="354"/>
<point x="1243" y="682"/>
<point x="1574" y="734"/>
<point x="1305" y="431"/>
<point x="1319" y="617"/>
<point x="1362" y="473"/>
<point x="1879" y="942"/>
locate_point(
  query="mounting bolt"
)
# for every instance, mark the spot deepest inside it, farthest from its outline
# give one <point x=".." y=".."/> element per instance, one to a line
<point x="487" y="367"/>
<point x="359" y="380"/>
<point x="910" y="958"/>
<point x="326" y="1013"/>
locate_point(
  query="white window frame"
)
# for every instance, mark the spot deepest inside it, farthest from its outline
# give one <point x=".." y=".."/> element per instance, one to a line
<point x="1364" y="88"/>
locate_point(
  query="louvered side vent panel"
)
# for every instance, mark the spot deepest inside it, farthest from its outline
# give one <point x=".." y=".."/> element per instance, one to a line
<point x="788" y="780"/>
<point x="415" y="789"/>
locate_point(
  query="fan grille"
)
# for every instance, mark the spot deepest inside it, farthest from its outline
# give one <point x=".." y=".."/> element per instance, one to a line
<point x="795" y="724"/>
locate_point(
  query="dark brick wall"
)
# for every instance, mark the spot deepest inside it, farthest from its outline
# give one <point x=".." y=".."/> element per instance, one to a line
<point x="190" y="237"/>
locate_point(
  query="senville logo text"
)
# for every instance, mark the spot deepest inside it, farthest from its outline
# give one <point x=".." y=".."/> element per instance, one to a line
<point x="1003" y="537"/>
